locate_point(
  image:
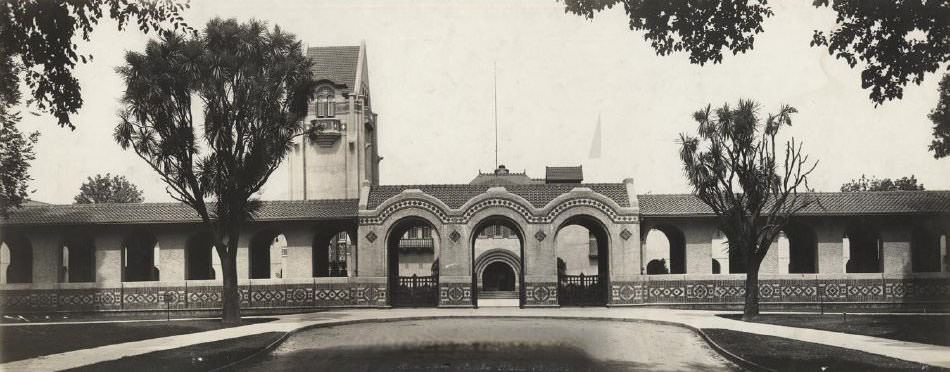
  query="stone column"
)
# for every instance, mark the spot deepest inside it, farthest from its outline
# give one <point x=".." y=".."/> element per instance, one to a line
<point x="299" y="260"/>
<point x="172" y="254"/>
<point x="698" y="236"/>
<point x="47" y="247"/>
<point x="830" y="234"/>
<point x="540" y="265"/>
<point x="108" y="256"/>
<point x="895" y="251"/>
<point x="455" y="266"/>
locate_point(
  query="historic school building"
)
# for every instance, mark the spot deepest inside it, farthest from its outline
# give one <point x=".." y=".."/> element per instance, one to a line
<point x="503" y="239"/>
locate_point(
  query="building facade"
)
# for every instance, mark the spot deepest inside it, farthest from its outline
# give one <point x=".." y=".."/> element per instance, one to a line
<point x="345" y="240"/>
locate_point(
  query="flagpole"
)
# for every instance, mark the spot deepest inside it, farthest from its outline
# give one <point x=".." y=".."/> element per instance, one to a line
<point x="495" y="107"/>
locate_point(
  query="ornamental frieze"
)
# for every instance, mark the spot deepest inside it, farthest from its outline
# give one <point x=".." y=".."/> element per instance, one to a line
<point x="530" y="215"/>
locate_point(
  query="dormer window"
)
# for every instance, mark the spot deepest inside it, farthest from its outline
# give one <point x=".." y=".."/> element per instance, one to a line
<point x="325" y="106"/>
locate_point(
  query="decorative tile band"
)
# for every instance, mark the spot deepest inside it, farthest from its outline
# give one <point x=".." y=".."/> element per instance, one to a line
<point x="455" y="294"/>
<point x="797" y="290"/>
<point x="529" y="214"/>
<point x="693" y="292"/>
<point x="541" y="294"/>
<point x="196" y="297"/>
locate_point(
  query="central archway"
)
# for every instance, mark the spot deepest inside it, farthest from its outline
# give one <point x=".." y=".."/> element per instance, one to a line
<point x="497" y="246"/>
<point x="498" y="277"/>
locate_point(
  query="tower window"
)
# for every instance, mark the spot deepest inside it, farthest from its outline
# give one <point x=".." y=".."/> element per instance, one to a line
<point x="325" y="103"/>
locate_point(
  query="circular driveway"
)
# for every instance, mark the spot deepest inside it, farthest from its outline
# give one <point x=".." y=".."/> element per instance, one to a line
<point x="494" y="344"/>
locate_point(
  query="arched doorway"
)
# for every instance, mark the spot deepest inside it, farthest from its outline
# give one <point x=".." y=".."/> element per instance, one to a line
<point x="412" y="248"/>
<point x="497" y="244"/>
<point x="582" y="248"/>
<point x="498" y="277"/>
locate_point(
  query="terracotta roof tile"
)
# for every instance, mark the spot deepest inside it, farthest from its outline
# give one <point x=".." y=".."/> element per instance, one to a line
<point x="337" y="64"/>
<point x="137" y="213"/>
<point x="827" y="203"/>
<point x="537" y="194"/>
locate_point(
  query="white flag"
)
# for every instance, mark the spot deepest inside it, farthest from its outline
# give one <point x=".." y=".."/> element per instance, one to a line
<point x="596" y="143"/>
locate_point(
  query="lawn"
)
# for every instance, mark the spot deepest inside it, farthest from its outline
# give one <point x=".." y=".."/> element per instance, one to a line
<point x="200" y="357"/>
<point x="783" y="354"/>
<point x="929" y="329"/>
<point x="28" y="341"/>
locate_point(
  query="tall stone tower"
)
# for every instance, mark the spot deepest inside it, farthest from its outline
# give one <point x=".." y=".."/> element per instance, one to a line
<point x="342" y="154"/>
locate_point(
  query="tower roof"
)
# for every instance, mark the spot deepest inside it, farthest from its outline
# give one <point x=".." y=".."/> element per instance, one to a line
<point x="337" y="64"/>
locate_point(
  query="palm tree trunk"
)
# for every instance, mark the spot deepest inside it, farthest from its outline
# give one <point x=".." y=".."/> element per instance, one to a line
<point x="751" y="308"/>
<point x="230" y="296"/>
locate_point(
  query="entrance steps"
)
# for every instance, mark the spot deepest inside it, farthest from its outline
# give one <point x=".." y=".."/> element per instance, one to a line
<point x="498" y="299"/>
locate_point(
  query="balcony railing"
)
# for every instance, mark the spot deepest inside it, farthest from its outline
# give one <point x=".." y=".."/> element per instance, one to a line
<point x="417" y="244"/>
<point x="326" y="131"/>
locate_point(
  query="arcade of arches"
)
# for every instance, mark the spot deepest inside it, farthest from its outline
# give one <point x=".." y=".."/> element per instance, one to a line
<point x="465" y="245"/>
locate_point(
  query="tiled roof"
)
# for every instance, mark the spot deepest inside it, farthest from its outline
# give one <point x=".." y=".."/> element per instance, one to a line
<point x="136" y="213"/>
<point x="537" y="194"/>
<point x="337" y="64"/>
<point x="564" y="174"/>
<point x="826" y="203"/>
<point x="503" y="179"/>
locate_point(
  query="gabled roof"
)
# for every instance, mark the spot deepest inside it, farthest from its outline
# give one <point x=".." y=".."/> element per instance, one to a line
<point x="564" y="174"/>
<point x="538" y="195"/>
<point x="337" y="64"/>
<point x="141" y="213"/>
<point x="823" y="203"/>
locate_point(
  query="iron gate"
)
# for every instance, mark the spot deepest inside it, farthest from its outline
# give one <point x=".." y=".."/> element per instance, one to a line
<point x="416" y="291"/>
<point x="580" y="290"/>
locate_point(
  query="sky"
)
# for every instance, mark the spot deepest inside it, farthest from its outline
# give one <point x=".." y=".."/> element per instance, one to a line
<point x="430" y="69"/>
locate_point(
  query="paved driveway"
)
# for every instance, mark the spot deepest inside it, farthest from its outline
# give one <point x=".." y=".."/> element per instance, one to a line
<point x="501" y="344"/>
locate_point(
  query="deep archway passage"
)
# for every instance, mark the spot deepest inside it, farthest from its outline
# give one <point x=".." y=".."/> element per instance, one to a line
<point x="498" y="269"/>
<point x="664" y="250"/>
<point x="140" y="257"/>
<point x="199" y="257"/>
<point x="864" y="248"/>
<point x="926" y="245"/>
<point x="331" y="249"/>
<point x="413" y="265"/>
<point x="78" y="260"/>
<point x="498" y="277"/>
<point x="589" y="286"/>
<point x="802" y="248"/>
<point x="16" y="258"/>
<point x="265" y="253"/>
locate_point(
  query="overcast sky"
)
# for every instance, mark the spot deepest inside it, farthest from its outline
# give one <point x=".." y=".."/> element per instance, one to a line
<point x="430" y="67"/>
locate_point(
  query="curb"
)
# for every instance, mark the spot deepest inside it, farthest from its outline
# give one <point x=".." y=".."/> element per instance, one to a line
<point x="738" y="360"/>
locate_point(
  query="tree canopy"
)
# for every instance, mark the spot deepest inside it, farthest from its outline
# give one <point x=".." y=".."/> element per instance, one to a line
<point x="736" y="167"/>
<point x="108" y="189"/>
<point x="16" y="153"/>
<point x="896" y="42"/>
<point x="882" y="184"/>
<point x="39" y="39"/>
<point x="940" y="116"/>
<point x="252" y="85"/>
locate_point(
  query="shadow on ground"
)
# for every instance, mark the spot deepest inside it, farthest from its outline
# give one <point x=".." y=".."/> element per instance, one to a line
<point x="929" y="329"/>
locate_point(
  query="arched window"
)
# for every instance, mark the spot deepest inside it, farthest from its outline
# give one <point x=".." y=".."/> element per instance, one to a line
<point x="325" y="99"/>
